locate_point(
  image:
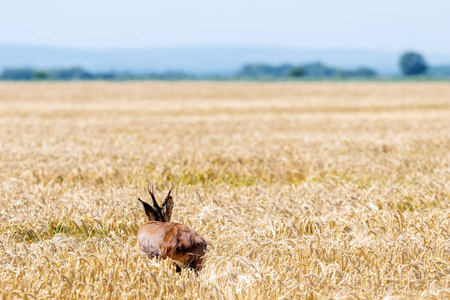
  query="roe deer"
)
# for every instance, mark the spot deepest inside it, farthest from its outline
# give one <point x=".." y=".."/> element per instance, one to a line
<point x="161" y="238"/>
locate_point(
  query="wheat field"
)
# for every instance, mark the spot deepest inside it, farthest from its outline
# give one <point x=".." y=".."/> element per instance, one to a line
<point x="302" y="190"/>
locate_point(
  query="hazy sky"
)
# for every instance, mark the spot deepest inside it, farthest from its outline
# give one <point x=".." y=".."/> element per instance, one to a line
<point x="383" y="24"/>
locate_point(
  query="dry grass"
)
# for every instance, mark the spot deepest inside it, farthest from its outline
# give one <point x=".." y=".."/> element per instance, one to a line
<point x="303" y="190"/>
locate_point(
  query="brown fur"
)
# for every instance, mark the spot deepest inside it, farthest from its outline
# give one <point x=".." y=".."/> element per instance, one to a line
<point x="173" y="240"/>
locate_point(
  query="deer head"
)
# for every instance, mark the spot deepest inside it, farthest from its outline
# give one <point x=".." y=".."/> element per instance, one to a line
<point x="161" y="213"/>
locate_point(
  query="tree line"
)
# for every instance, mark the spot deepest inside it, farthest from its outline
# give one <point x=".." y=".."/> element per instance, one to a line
<point x="78" y="73"/>
<point x="410" y="63"/>
<point x="311" y="70"/>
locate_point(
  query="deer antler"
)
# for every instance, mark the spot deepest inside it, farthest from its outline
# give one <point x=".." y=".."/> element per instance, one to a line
<point x="155" y="204"/>
<point x="168" y="191"/>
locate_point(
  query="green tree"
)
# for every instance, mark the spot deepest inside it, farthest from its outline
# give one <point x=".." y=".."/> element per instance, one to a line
<point x="297" y="72"/>
<point x="41" y="75"/>
<point x="412" y="63"/>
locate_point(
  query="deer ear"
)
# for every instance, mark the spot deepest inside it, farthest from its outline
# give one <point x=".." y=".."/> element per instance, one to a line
<point x="167" y="208"/>
<point x="151" y="214"/>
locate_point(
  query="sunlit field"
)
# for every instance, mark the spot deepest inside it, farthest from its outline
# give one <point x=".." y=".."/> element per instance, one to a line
<point x="302" y="190"/>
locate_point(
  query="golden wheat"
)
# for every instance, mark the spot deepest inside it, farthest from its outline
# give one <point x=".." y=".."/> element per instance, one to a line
<point x="303" y="190"/>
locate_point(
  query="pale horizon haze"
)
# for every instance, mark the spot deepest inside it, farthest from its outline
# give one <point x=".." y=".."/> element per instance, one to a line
<point x="384" y="25"/>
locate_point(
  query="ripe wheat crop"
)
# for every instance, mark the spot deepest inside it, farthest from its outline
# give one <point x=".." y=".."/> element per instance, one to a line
<point x="302" y="190"/>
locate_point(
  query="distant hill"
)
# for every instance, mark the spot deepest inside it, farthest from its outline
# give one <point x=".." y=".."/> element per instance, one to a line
<point x="201" y="59"/>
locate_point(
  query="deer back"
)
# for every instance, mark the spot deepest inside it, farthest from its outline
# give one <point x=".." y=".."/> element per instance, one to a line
<point x="172" y="240"/>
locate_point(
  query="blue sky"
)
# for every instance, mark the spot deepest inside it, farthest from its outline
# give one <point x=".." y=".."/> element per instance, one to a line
<point x="393" y="25"/>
